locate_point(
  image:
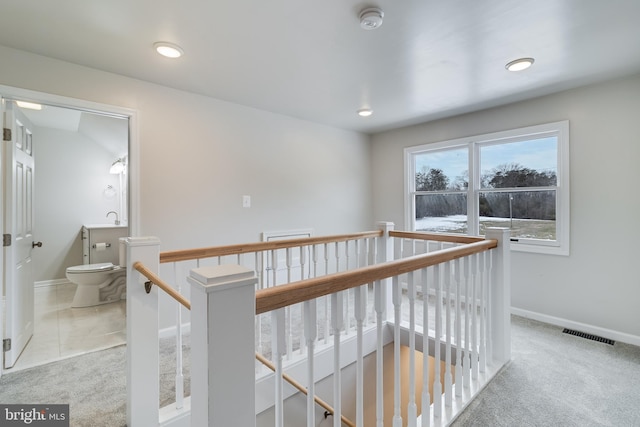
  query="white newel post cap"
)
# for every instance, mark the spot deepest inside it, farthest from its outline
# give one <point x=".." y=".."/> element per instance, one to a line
<point x="385" y="225"/>
<point x="140" y="241"/>
<point x="217" y="278"/>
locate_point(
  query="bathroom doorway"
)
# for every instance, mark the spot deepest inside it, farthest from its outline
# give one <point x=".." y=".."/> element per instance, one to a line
<point x="77" y="147"/>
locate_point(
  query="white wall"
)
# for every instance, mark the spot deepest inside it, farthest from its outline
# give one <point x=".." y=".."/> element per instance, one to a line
<point x="200" y="155"/>
<point x="71" y="174"/>
<point x="596" y="288"/>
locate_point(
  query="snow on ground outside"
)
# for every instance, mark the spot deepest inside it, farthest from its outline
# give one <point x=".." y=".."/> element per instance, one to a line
<point x="450" y="223"/>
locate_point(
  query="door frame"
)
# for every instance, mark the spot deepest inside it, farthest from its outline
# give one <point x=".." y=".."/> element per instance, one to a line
<point x="9" y="92"/>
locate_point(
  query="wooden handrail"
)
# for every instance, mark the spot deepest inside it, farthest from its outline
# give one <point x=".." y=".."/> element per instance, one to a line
<point x="438" y="237"/>
<point x="296" y="292"/>
<point x="215" y="251"/>
<point x="303" y="389"/>
<point x="155" y="280"/>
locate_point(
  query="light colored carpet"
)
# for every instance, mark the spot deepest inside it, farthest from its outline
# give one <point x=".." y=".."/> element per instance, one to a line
<point x="554" y="379"/>
<point x="93" y="384"/>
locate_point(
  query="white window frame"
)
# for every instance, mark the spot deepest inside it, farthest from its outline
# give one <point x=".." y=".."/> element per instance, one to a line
<point x="560" y="129"/>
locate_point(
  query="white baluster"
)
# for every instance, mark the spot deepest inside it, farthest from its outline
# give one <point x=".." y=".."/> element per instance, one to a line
<point x="258" y="263"/>
<point x="458" y="328"/>
<point x="259" y="260"/>
<point x="366" y="261"/>
<point x="379" y="305"/>
<point x="303" y="263"/>
<point x="437" y="385"/>
<point x="426" y="396"/>
<point x="327" y="299"/>
<point x="179" y="377"/>
<point x="489" y="312"/>
<point x="289" y="262"/>
<point x="289" y="309"/>
<point x="397" y="299"/>
<point x="373" y="259"/>
<point x="278" y="347"/>
<point x="360" y="311"/>
<point x="347" y="306"/>
<point x="474" y="316"/>
<point x="466" y="363"/>
<point x="483" y="348"/>
<point x="447" y="375"/>
<point x="412" y="408"/>
<point x="274" y="267"/>
<point x="336" y="325"/>
<point x="310" y="334"/>
<point x="314" y="255"/>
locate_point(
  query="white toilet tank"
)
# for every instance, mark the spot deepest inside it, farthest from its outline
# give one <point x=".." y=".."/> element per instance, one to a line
<point x="100" y="243"/>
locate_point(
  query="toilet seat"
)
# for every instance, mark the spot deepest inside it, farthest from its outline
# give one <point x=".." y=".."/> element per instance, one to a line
<point x="90" y="268"/>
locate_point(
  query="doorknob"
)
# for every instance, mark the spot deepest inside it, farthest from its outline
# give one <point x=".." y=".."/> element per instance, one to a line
<point x="34" y="244"/>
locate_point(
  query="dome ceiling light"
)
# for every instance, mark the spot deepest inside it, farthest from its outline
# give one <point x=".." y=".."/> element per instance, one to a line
<point x="168" y="50"/>
<point x="519" y="64"/>
<point x="365" y="112"/>
<point x="371" y="18"/>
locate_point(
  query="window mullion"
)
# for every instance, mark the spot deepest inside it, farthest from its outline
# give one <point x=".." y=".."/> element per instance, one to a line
<point x="473" y="190"/>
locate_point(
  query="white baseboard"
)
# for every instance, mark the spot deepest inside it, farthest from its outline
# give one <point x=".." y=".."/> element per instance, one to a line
<point x="54" y="282"/>
<point x="582" y="327"/>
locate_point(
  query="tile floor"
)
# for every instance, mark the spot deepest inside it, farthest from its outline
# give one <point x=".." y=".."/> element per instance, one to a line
<point x="61" y="331"/>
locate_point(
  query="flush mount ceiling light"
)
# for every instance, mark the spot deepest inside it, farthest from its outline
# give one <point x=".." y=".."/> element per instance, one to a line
<point x="29" y="105"/>
<point x="519" y="64"/>
<point x="371" y="18"/>
<point x="365" y="112"/>
<point x="169" y="50"/>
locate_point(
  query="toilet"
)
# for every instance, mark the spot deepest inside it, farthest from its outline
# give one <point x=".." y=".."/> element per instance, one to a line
<point x="101" y="279"/>
<point x="100" y="283"/>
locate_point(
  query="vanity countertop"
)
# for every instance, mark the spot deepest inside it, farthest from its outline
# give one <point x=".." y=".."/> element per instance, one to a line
<point x="92" y="226"/>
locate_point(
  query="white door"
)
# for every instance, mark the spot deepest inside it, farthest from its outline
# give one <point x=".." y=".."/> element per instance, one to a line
<point x="18" y="223"/>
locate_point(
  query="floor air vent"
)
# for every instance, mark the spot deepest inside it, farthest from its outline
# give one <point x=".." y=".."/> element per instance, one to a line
<point x="589" y="336"/>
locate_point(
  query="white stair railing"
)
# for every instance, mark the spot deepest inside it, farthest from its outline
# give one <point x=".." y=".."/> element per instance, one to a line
<point x="460" y="317"/>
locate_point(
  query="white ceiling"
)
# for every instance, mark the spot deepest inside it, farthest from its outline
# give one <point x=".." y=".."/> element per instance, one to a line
<point x="429" y="59"/>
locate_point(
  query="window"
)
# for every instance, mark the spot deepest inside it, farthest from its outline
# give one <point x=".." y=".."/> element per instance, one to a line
<point x="518" y="179"/>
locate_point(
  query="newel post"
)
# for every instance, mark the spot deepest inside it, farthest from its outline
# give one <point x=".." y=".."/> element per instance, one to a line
<point x="223" y="310"/>
<point x="143" y="388"/>
<point x="500" y="294"/>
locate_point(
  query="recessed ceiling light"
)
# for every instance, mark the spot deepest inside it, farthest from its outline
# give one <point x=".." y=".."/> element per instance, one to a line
<point x="169" y="50"/>
<point x="365" y="112"/>
<point x="29" y="105"/>
<point x="519" y="64"/>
